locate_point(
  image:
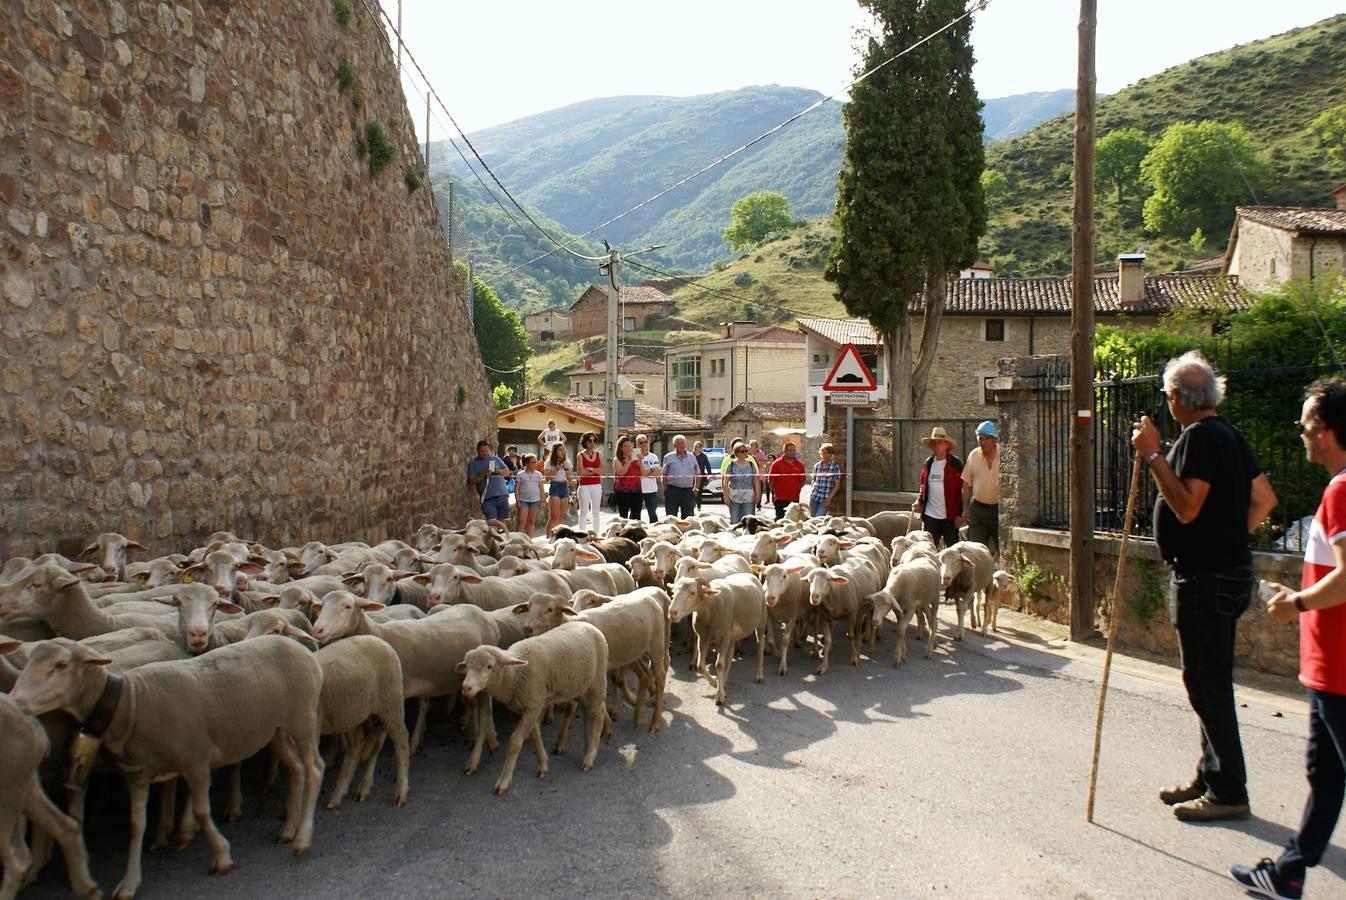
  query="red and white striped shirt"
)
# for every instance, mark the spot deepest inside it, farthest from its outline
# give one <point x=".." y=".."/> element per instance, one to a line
<point x="1322" y="632"/>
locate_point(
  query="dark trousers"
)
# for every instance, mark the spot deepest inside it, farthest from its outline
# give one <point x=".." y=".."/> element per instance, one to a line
<point x="945" y="531"/>
<point x="983" y="525"/>
<point x="1326" y="758"/>
<point x="652" y="505"/>
<point x="627" y="503"/>
<point x="679" y="501"/>
<point x="781" y="506"/>
<point x="1207" y="607"/>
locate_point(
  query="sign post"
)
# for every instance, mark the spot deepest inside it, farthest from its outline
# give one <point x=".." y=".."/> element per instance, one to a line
<point x="849" y="383"/>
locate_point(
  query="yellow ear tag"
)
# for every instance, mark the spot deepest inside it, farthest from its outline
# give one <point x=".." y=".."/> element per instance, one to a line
<point x="186" y="579"/>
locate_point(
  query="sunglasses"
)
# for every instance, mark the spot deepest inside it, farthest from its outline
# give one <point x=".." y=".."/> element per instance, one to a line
<point x="1304" y="429"/>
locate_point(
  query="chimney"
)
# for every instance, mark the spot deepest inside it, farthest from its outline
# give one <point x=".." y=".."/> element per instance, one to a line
<point x="588" y="364"/>
<point x="1131" y="279"/>
<point x="1340" y="196"/>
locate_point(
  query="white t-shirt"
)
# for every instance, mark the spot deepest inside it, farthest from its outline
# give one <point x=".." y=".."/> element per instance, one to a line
<point x="550" y="438"/>
<point x="649" y="485"/>
<point x="528" y="486"/>
<point x="934" y="490"/>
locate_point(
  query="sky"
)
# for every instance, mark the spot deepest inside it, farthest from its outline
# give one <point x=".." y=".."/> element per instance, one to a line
<point x="494" y="62"/>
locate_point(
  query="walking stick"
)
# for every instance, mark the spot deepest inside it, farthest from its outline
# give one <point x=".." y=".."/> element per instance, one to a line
<point x="1112" y="633"/>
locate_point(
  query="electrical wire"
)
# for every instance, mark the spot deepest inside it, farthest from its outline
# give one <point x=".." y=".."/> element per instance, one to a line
<point x="977" y="6"/>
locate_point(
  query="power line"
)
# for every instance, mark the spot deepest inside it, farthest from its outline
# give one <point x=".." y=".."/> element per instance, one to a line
<point x="764" y="304"/>
<point x="978" y="6"/>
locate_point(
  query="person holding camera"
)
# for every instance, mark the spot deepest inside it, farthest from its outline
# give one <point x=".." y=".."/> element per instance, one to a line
<point x="487" y="473"/>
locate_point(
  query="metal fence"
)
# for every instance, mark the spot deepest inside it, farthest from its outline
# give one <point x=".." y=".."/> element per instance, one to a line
<point x="1263" y="399"/>
<point x="888" y="452"/>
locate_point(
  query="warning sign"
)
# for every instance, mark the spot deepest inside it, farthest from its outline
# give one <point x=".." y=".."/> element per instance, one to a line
<point x="849" y="373"/>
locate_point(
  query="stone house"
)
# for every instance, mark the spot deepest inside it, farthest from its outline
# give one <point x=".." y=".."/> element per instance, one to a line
<point x="748" y="362"/>
<point x="1270" y="245"/>
<point x="589" y="314"/>
<point x="771" y="423"/>
<point x="520" y="424"/>
<point x="551" y="324"/>
<point x="644" y="379"/>
<point x="988" y="319"/>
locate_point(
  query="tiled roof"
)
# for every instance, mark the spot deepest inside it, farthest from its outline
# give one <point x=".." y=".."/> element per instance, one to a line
<point x="630" y="295"/>
<point x="842" y="331"/>
<point x="1304" y="220"/>
<point x="769" y="333"/>
<point x="779" y="411"/>
<point x="648" y="418"/>
<point x="635" y="365"/>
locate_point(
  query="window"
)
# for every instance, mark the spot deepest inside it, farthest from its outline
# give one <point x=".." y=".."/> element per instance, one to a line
<point x="995" y="329"/>
<point x="575" y="387"/>
<point x="591" y="389"/>
<point x="1273" y="265"/>
<point x="815" y="402"/>
<point x="638" y="387"/>
<point x="985" y="396"/>
<point x="628" y="323"/>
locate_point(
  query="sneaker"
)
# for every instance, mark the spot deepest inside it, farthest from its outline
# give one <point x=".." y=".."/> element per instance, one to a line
<point x="1207" y="809"/>
<point x="1181" y="793"/>
<point x="1263" y="880"/>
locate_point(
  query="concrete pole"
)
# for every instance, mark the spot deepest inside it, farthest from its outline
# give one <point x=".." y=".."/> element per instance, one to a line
<point x="610" y="383"/>
<point x="1082" y="339"/>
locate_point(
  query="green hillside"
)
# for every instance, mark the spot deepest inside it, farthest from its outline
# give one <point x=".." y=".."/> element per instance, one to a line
<point x="1273" y="87"/>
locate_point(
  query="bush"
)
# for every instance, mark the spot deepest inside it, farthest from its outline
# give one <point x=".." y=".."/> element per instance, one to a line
<point x="345" y="74"/>
<point x="342" y="8"/>
<point x="411" y="178"/>
<point x="381" y="150"/>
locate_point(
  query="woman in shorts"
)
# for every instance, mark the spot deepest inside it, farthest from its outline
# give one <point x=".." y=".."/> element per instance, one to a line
<point x="528" y="493"/>
<point x="557" y="471"/>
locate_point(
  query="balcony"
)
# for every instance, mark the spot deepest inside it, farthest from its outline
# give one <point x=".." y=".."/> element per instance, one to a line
<point x="687" y="383"/>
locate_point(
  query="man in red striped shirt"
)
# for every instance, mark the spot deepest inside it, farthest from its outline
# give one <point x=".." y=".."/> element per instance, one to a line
<point x="1320" y="606"/>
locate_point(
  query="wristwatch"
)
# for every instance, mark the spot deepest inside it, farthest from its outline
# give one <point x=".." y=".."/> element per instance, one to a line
<point x="1152" y="456"/>
<point x="1299" y="604"/>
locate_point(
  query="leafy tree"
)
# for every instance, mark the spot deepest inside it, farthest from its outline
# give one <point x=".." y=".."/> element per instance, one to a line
<point x="1117" y="158"/>
<point x="500" y="336"/>
<point x="756" y="215"/>
<point x="1199" y="172"/>
<point x="910" y="207"/>
<point x="502" y="395"/>
<point x="994" y="185"/>
<point x="1330" y="126"/>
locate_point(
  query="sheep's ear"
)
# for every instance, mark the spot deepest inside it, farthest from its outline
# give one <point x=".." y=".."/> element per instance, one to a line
<point x="461" y="668"/>
<point x="470" y="579"/>
<point x="568" y="611"/>
<point x="136" y="545"/>
<point x="268" y="600"/>
<point x="520" y="610"/>
<point x="422" y="580"/>
<point x="316" y="606"/>
<point x="168" y="601"/>
<point x="352" y="578"/>
<point x="590" y="555"/>
<point x="506" y="660"/>
<point x="9" y="646"/>
<point x="89" y="550"/>
<point x="839" y="579"/>
<point x="226" y="606"/>
<point x="369" y="605"/>
<point x="710" y="591"/>
<point x="302" y="637"/>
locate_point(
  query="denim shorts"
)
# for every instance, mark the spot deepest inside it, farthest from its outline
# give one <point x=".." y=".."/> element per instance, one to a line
<point x="528" y="504"/>
<point x="559" y="490"/>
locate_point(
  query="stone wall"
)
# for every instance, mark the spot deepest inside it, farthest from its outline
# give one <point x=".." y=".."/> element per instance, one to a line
<point x="213" y="315"/>
<point x="1261" y="643"/>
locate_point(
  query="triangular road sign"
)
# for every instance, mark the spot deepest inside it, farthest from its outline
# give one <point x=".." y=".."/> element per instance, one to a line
<point x="849" y="373"/>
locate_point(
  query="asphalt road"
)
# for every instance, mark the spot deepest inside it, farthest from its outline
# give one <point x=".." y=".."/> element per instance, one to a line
<point x="963" y="775"/>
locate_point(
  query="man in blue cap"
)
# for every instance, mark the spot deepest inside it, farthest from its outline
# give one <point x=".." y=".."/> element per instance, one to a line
<point x="981" y="489"/>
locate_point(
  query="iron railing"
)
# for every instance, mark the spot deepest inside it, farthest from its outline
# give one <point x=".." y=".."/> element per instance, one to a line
<point x="889" y="453"/>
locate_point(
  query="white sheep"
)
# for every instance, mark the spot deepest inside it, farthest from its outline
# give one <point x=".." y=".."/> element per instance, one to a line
<point x="453" y="585"/>
<point x="787" y="600"/>
<point x="966" y="570"/>
<point x="837" y="593"/>
<point x="912" y="589"/>
<point x="361" y="680"/>
<point x="566" y="665"/>
<point x="724" y="611"/>
<point x="48" y="592"/>
<point x="23" y="745"/>
<point x="111" y="549"/>
<point x="183" y="717"/>
<point x="1000" y="583"/>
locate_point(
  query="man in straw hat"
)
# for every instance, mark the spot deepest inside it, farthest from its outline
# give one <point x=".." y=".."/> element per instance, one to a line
<point x="940" y="502"/>
<point x="1211" y="495"/>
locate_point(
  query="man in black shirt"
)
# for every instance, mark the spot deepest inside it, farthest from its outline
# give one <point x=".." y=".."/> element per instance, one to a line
<point x="1211" y="494"/>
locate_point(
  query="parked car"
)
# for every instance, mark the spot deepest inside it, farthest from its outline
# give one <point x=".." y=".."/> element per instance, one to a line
<point x="716" y="457"/>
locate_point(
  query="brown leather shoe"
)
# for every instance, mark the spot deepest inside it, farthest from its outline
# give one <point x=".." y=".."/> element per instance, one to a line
<point x="1181" y="793"/>
<point x="1205" y="809"/>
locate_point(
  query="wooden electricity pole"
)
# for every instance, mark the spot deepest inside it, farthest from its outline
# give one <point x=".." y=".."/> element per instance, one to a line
<point x="1082" y="339"/>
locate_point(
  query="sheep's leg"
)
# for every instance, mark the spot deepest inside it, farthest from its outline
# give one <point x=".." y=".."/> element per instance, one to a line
<point x="417" y="733"/>
<point x="827" y="651"/>
<point x="541" y="751"/>
<point x="724" y="658"/>
<point x="272" y="773"/>
<point x="699" y="661"/>
<point x="397" y="730"/>
<point x="904" y="617"/>
<point x="565" y="728"/>
<point x="373" y="747"/>
<point x="14" y="855"/>
<point x="527" y="725"/>
<point x="625" y="688"/>
<point x="186" y="821"/>
<point x="168" y="811"/>
<point x="49" y="820"/>
<point x="234" y="809"/>
<point x="353" y="742"/>
<point x="139" y="796"/>
<point x="973" y="621"/>
<point x="289" y="756"/>
<point x="644" y="686"/>
<point x="594" y="718"/>
<point x="659" y="676"/>
<point x="483" y="724"/>
<point x="856" y="638"/>
<point x="960" y="604"/>
<point x="763" y="628"/>
<point x="931" y="614"/>
<point x="198" y="787"/>
<point x="303" y="742"/>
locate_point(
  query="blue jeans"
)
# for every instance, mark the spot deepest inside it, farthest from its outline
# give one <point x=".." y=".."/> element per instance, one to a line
<point x="1208" y="605"/>
<point x="496" y="507"/>
<point x="738" y="510"/>
<point x="652" y="505"/>
<point x="817" y="504"/>
<point x="1326" y="756"/>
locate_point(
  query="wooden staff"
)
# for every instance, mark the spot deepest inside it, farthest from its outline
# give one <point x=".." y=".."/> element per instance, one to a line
<point x="1112" y="633"/>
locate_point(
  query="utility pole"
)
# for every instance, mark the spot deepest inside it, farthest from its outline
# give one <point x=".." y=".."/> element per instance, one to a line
<point x="1082" y="339"/>
<point x="610" y="383"/>
<point x="399" y="37"/>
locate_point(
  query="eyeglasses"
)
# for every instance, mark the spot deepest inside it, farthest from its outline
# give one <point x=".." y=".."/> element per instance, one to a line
<point x="1304" y="428"/>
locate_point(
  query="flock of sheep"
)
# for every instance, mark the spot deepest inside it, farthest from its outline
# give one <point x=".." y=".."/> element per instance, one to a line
<point x="167" y="669"/>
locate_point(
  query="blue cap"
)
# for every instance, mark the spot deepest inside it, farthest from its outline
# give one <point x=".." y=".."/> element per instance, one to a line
<point x="987" y="428"/>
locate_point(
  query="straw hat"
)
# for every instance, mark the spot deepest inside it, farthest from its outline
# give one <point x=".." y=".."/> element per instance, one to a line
<point x="938" y="434"/>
